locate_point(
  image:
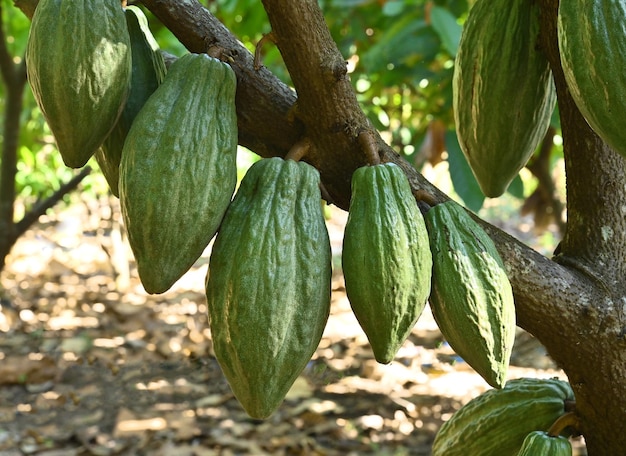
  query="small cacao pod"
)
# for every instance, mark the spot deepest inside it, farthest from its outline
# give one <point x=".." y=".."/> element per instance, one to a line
<point x="148" y="71"/>
<point x="471" y="299"/>
<point x="593" y="57"/>
<point x="496" y="422"/>
<point x="178" y="169"/>
<point x="503" y="93"/>
<point x="268" y="285"/>
<point x="78" y="60"/>
<point x="540" y="443"/>
<point x="386" y="257"/>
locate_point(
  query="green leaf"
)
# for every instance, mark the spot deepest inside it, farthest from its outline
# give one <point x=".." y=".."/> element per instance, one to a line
<point x="461" y="174"/>
<point x="409" y="41"/>
<point x="516" y="187"/>
<point x="350" y="3"/>
<point x="447" y="28"/>
<point x="393" y="8"/>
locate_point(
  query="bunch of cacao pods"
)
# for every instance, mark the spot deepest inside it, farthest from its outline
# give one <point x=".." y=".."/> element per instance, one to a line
<point x="503" y="91"/>
<point x="166" y="141"/>
<point x="512" y="421"/>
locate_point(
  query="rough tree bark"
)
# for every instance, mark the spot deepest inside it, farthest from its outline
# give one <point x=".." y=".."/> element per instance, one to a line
<point x="575" y="303"/>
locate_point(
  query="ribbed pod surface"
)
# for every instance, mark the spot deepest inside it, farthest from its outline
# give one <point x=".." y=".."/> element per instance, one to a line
<point x="178" y="169"/>
<point x="386" y="257"/>
<point x="268" y="286"/>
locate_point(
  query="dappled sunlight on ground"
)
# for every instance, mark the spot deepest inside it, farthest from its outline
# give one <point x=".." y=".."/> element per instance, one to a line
<point x="91" y="364"/>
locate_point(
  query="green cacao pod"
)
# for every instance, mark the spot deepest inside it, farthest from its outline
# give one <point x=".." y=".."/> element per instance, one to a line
<point x="268" y="286"/>
<point x="178" y="169"/>
<point x="148" y="71"/>
<point x="593" y="56"/>
<point x="471" y="299"/>
<point x="386" y="257"/>
<point x="497" y="422"/>
<point x="78" y="61"/>
<point x="540" y="443"/>
<point x="503" y="93"/>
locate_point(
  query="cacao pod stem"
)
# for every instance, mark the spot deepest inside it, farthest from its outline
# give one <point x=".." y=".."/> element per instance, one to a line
<point x="423" y="196"/>
<point x="299" y="150"/>
<point x="367" y="141"/>
<point x="257" y="49"/>
<point x="569" y="419"/>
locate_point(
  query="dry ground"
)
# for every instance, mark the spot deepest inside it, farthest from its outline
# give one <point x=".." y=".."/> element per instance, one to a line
<point x="92" y="365"/>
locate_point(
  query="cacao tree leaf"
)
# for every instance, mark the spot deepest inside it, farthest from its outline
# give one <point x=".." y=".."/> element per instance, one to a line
<point x="516" y="187"/>
<point x="447" y="28"/>
<point x="461" y="174"/>
<point x="350" y="3"/>
<point x="393" y="8"/>
<point x="407" y="42"/>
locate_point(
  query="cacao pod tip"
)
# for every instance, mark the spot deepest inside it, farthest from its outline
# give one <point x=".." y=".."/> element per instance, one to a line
<point x="385" y="357"/>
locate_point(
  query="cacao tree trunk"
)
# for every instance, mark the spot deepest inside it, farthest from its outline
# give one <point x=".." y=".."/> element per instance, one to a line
<point x="574" y="303"/>
<point x="592" y="351"/>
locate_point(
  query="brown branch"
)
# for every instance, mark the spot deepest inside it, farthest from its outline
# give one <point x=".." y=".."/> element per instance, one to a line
<point x="333" y="119"/>
<point x="269" y="119"/>
<point x="264" y="103"/>
<point x="27" y="6"/>
<point x="42" y="206"/>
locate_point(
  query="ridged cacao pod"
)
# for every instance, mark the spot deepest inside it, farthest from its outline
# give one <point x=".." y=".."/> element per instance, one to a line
<point x="386" y="257"/>
<point x="178" y="169"/>
<point x="593" y="56"/>
<point x="539" y="443"/>
<point x="268" y="286"/>
<point x="471" y="299"/>
<point x="503" y="93"/>
<point x="497" y="422"/>
<point x="78" y="60"/>
<point x="148" y="71"/>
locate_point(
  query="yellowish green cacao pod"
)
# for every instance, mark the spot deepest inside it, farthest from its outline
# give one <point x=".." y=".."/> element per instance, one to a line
<point x="503" y="93"/>
<point x="471" y="299"/>
<point x="593" y="56"/>
<point x="178" y="170"/>
<point x="268" y="285"/>
<point x="148" y="71"/>
<point x="386" y="257"/>
<point x="497" y="422"/>
<point x="78" y="60"/>
<point x="540" y="443"/>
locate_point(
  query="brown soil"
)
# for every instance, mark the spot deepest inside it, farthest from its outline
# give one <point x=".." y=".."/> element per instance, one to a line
<point x="92" y="365"/>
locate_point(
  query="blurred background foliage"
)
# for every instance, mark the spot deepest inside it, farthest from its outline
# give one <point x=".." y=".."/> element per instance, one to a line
<point x="400" y="56"/>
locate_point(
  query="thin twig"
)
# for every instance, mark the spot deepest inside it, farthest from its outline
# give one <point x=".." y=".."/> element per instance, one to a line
<point x="42" y="206"/>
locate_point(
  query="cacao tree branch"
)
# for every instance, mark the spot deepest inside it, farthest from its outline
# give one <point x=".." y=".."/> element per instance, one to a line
<point x="43" y="205"/>
<point x="268" y="116"/>
<point x="264" y="103"/>
<point x="27" y="6"/>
